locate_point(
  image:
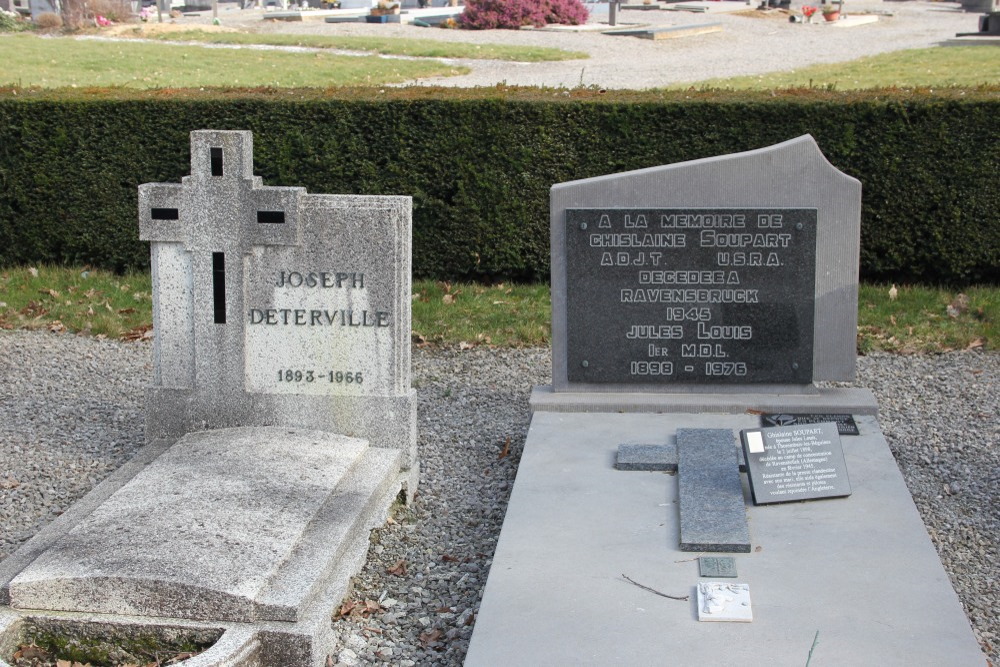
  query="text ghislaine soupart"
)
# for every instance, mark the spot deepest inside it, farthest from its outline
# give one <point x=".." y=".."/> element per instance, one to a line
<point x="686" y="292"/>
<point x="314" y="317"/>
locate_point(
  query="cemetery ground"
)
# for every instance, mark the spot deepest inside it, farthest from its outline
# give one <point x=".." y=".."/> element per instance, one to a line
<point x="71" y="412"/>
<point x="901" y="49"/>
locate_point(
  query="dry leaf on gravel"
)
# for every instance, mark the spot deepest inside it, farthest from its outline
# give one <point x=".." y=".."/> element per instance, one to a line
<point x="505" y="451"/>
<point x="428" y="638"/>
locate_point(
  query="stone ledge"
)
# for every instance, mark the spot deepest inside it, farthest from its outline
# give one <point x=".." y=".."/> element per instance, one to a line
<point x="835" y="400"/>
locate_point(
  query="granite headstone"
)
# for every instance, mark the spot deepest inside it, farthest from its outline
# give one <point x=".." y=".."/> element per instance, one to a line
<point x="717" y="276"/>
<point x="277" y="307"/>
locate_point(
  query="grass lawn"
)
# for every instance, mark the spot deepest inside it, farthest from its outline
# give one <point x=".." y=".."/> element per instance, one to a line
<point x="53" y="62"/>
<point x="933" y="67"/>
<point x="420" y="48"/>
<point x="99" y="303"/>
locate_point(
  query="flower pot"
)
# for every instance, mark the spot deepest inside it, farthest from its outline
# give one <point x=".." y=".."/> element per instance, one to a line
<point x="831" y="16"/>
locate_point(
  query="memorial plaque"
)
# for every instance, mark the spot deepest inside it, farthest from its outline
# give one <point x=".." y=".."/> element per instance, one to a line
<point x="717" y="566"/>
<point x="708" y="295"/>
<point x="800" y="462"/>
<point x="845" y="423"/>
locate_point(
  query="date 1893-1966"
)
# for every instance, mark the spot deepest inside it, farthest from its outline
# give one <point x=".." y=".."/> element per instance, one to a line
<point x="337" y="377"/>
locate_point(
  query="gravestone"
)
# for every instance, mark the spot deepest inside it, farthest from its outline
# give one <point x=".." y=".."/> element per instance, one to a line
<point x="670" y="292"/>
<point x="276" y="307"/>
<point x="687" y="301"/>
<point x="281" y="422"/>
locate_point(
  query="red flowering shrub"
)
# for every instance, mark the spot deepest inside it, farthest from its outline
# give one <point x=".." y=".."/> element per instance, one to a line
<point x="567" y="12"/>
<point x="512" y="14"/>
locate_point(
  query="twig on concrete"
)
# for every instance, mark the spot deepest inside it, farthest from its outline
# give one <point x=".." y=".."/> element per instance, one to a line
<point x="688" y="560"/>
<point x="653" y="590"/>
<point x="815" y="641"/>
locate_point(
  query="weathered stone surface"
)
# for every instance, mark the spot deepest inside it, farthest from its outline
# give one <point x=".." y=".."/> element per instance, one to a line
<point x="273" y="306"/>
<point x="712" y="509"/>
<point x="646" y="457"/>
<point x="230" y="524"/>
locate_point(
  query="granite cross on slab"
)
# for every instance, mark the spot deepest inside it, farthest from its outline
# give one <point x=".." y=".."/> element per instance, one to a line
<point x="655" y="458"/>
<point x="712" y="507"/>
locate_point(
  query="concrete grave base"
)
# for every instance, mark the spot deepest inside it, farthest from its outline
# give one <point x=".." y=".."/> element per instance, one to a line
<point x="728" y="400"/>
<point x="860" y="570"/>
<point x="251" y="532"/>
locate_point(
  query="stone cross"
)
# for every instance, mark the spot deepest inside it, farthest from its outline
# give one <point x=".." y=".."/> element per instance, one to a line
<point x="217" y="215"/>
<point x="272" y="306"/>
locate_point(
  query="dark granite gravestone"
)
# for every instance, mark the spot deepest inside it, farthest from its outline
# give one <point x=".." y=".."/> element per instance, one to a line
<point x="681" y="308"/>
<point x="690" y="295"/>
<point x="800" y="462"/>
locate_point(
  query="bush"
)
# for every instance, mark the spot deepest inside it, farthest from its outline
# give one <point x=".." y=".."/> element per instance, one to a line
<point x="479" y="164"/>
<point x="118" y="11"/>
<point x="513" y="14"/>
<point x="12" y="22"/>
<point x="567" y="12"/>
<point x="49" y="21"/>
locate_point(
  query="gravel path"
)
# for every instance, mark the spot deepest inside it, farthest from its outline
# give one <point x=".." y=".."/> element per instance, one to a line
<point x="745" y="46"/>
<point x="71" y="412"/>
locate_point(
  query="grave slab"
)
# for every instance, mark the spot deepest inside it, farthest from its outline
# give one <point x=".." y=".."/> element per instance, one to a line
<point x="674" y="32"/>
<point x="232" y="524"/>
<point x="710" y="492"/>
<point x="281" y="425"/>
<point x="555" y="593"/>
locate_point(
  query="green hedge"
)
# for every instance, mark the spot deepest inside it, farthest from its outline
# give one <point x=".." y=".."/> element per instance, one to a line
<point x="479" y="164"/>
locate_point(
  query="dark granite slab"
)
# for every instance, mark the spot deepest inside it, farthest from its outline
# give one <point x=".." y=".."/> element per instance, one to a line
<point x="646" y="457"/>
<point x="712" y="508"/>
<point x="799" y="462"/>
<point x="632" y="456"/>
<point x="705" y="296"/>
